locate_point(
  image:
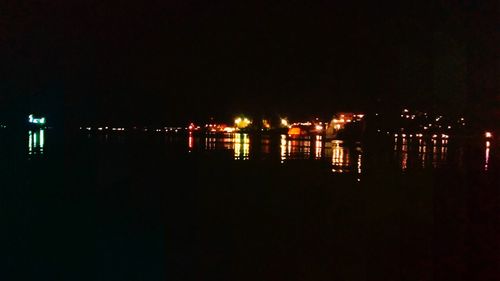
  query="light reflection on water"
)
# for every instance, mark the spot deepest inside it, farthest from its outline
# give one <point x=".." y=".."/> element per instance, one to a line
<point x="343" y="158"/>
<point x="409" y="152"/>
<point x="36" y="142"/>
<point x="487" y="155"/>
<point x="190" y="141"/>
<point x="319" y="147"/>
<point x="241" y="146"/>
<point x="420" y="152"/>
<point x="298" y="149"/>
<point x="283" y="148"/>
<point x="340" y="157"/>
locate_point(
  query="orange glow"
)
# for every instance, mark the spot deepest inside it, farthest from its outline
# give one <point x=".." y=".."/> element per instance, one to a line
<point x="266" y="124"/>
<point x="294" y="131"/>
<point x="404" y="161"/>
<point x="190" y="141"/>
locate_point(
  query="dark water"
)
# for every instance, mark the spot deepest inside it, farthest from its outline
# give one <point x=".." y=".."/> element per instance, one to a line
<point x="240" y="207"/>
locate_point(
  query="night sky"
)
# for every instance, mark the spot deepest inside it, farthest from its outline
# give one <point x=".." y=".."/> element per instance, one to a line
<point x="141" y="62"/>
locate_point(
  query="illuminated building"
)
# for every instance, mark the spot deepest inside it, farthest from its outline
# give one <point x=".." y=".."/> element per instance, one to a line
<point x="341" y="122"/>
<point x="218" y="128"/>
<point x="36" y="121"/>
<point x="305" y="129"/>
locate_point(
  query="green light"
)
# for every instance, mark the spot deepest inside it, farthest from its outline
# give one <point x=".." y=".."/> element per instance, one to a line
<point x="33" y="120"/>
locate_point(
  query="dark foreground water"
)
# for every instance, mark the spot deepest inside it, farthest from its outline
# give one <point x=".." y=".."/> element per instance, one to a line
<point x="174" y="207"/>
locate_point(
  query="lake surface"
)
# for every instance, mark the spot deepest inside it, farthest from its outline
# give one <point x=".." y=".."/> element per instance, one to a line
<point x="157" y="206"/>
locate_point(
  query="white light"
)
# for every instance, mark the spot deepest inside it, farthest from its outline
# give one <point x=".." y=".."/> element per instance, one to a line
<point x="30" y="142"/>
<point x="42" y="138"/>
<point x="488" y="134"/>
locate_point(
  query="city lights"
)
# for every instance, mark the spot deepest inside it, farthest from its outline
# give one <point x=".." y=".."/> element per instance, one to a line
<point x="38" y="121"/>
<point x="284" y="122"/>
<point x="242" y="123"/>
